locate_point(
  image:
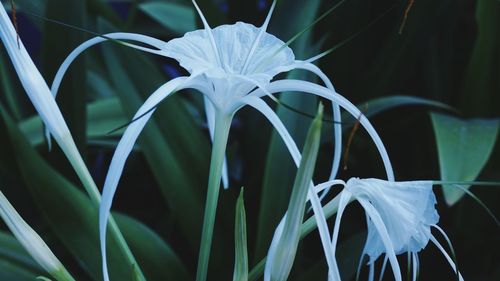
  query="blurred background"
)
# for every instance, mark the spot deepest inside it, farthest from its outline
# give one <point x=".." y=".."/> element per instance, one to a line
<point x="399" y="60"/>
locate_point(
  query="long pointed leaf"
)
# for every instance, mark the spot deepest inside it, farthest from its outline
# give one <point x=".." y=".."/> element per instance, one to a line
<point x="464" y="147"/>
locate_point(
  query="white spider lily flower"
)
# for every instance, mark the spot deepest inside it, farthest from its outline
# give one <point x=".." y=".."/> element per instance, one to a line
<point x="39" y="93"/>
<point x="232" y="66"/>
<point x="32" y="242"/>
<point x="399" y="218"/>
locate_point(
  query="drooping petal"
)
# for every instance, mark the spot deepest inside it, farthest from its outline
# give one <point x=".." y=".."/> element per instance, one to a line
<point x="261" y="106"/>
<point x="291" y="85"/>
<point x="345" y="196"/>
<point x="91" y="42"/>
<point x="406" y="208"/>
<point x="337" y="126"/>
<point x="121" y="154"/>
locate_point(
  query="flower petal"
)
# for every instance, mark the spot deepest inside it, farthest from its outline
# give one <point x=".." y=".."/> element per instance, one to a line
<point x="122" y="152"/>
<point x="345" y="197"/>
<point x="194" y="50"/>
<point x="291" y="85"/>
<point x="261" y="106"/>
<point x="337" y="126"/>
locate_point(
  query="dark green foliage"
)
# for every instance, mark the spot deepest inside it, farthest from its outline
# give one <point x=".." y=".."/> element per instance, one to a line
<point x="447" y="59"/>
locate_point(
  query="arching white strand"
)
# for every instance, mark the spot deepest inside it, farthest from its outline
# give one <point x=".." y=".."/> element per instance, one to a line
<point x="290" y="85"/>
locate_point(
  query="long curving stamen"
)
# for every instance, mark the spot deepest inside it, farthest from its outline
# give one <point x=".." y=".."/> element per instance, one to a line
<point x="256" y="42"/>
<point x="209" y="33"/>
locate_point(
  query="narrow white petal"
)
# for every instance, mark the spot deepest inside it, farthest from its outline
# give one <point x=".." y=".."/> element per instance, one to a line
<point x="91" y="42"/>
<point x="322" y="186"/>
<point x="121" y="154"/>
<point x="291" y="85"/>
<point x="345" y="197"/>
<point x="384" y="235"/>
<point x="257" y="39"/>
<point x="261" y="106"/>
<point x="209" y="32"/>
<point x="337" y="126"/>
<point x="96" y="40"/>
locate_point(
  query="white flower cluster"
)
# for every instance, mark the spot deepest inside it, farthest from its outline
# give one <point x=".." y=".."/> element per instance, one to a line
<point x="233" y="66"/>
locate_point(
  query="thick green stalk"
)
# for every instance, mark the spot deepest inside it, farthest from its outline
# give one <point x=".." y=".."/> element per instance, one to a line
<point x="95" y="197"/>
<point x="222" y="125"/>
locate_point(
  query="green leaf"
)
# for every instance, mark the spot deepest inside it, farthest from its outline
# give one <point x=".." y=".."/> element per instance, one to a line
<point x="176" y="17"/>
<point x="31" y="6"/>
<point x="289" y="18"/>
<point x="378" y="105"/>
<point x="7" y="88"/>
<point x="349" y="250"/>
<point x="157" y="259"/>
<point x="481" y="80"/>
<point x="13" y="272"/>
<point x="240" y="241"/>
<point x="103" y="116"/>
<point x="69" y="212"/>
<point x="464" y="146"/>
<point x="289" y="239"/>
<point x="12" y="251"/>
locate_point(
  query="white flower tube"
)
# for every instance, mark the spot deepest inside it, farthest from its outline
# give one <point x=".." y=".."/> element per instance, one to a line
<point x="32" y="242"/>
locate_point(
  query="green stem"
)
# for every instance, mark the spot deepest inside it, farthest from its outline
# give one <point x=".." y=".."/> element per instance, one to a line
<point x="95" y="197"/>
<point x="222" y="125"/>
